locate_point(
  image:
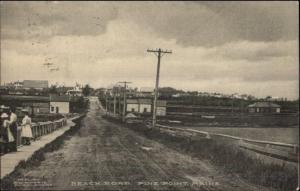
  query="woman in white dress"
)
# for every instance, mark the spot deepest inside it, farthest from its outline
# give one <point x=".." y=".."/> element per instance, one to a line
<point x="26" y="133"/>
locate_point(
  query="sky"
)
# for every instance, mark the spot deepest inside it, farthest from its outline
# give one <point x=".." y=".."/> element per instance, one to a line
<point x="226" y="47"/>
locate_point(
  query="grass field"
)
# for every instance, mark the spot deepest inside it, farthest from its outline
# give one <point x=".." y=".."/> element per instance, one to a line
<point x="285" y="135"/>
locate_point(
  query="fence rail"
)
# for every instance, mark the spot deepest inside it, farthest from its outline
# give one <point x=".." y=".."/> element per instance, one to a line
<point x="42" y="128"/>
<point x="284" y="151"/>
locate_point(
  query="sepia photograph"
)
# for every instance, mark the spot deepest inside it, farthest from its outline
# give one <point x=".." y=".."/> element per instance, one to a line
<point x="149" y="95"/>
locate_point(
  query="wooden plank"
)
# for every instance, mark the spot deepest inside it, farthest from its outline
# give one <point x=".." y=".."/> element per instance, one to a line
<point x="285" y="155"/>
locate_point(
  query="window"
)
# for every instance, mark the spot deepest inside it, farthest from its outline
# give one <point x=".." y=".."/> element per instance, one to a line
<point x="52" y="108"/>
<point x="132" y="109"/>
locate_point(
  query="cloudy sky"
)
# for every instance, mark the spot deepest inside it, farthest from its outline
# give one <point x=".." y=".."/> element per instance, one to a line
<point x="227" y="47"/>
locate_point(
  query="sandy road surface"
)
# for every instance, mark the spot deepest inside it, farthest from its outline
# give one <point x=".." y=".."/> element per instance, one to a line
<point x="104" y="155"/>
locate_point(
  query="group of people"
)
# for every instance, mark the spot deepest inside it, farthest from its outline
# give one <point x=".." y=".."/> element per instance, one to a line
<point x="9" y="129"/>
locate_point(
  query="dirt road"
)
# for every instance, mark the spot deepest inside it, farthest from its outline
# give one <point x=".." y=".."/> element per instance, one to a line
<point x="108" y="156"/>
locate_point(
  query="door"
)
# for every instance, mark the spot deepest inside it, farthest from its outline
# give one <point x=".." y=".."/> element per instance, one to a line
<point x="57" y="109"/>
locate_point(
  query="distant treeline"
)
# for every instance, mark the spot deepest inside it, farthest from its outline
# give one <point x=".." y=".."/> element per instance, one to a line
<point x="194" y="99"/>
<point x="286" y="106"/>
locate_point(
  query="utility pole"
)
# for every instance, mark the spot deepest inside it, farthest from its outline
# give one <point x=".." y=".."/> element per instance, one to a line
<point x="159" y="53"/>
<point x="114" y="91"/>
<point x="124" y="99"/>
<point x="106" y="100"/>
<point x="119" y="95"/>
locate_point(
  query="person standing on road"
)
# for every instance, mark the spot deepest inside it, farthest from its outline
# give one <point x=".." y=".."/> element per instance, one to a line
<point x="26" y="132"/>
<point x="14" y="128"/>
<point x="7" y="136"/>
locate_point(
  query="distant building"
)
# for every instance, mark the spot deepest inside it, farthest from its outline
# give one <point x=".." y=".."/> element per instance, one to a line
<point x="76" y="91"/>
<point x="264" y="107"/>
<point x="138" y="105"/>
<point x="59" y="104"/>
<point x="145" y="106"/>
<point x="35" y="84"/>
<point x="35" y="104"/>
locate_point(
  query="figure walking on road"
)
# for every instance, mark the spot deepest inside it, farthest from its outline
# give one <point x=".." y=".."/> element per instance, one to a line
<point x="26" y="132"/>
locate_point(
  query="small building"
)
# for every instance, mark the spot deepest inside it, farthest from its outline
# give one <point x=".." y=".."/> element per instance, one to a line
<point x="264" y="107"/>
<point x="75" y="91"/>
<point x="59" y="104"/>
<point x="138" y="105"/>
<point x="145" y="106"/>
<point x="132" y="105"/>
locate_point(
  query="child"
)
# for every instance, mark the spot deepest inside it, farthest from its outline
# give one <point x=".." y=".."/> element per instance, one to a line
<point x="26" y="133"/>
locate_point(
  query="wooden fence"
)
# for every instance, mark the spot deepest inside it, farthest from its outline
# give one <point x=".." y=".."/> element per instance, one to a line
<point x="278" y="150"/>
<point x="43" y="128"/>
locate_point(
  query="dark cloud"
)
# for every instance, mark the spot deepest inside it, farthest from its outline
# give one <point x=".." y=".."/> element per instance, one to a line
<point x="259" y="21"/>
<point x="190" y="23"/>
<point x="215" y="23"/>
<point x="23" y="20"/>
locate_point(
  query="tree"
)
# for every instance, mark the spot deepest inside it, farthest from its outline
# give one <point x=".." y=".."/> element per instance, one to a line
<point x="53" y="89"/>
<point x="86" y="90"/>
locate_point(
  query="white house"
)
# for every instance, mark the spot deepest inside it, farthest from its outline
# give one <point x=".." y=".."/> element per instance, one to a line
<point x="132" y="105"/>
<point x="138" y="105"/>
<point x="145" y="105"/>
<point x="76" y="91"/>
<point x="59" y="104"/>
<point x="264" y="107"/>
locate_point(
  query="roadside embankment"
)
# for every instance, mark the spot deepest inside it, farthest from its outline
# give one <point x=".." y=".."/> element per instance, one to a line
<point x="29" y="156"/>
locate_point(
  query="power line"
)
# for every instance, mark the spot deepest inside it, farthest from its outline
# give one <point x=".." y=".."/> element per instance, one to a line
<point x="159" y="53"/>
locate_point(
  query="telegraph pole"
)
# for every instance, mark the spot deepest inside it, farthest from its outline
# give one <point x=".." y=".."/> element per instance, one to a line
<point x="159" y="53"/>
<point x="114" y="91"/>
<point x="106" y="101"/>
<point x="119" y="96"/>
<point x="124" y="99"/>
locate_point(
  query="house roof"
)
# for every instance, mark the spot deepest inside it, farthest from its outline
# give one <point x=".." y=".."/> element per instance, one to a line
<point x="146" y="89"/>
<point x="132" y="101"/>
<point x="35" y="84"/>
<point x="264" y="104"/>
<point x="145" y="101"/>
<point x="24" y="98"/>
<point x="160" y="103"/>
<point x="56" y="98"/>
